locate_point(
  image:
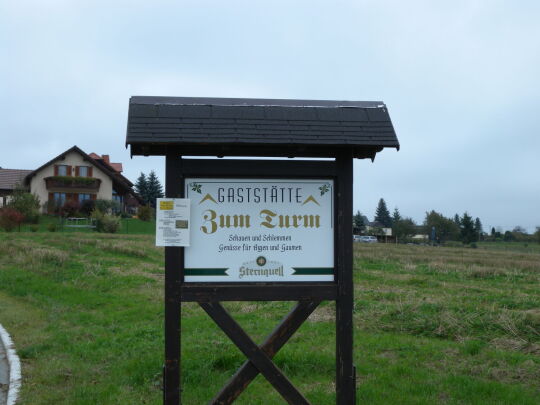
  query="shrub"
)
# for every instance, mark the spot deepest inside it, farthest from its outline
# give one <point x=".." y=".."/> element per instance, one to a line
<point x="34" y="228"/>
<point x="108" y="206"/>
<point x="10" y="218"/>
<point x="508" y="236"/>
<point x="51" y="227"/>
<point x="27" y="204"/>
<point x="51" y="207"/>
<point x="70" y="208"/>
<point x="107" y="223"/>
<point x="145" y="213"/>
<point x="87" y="206"/>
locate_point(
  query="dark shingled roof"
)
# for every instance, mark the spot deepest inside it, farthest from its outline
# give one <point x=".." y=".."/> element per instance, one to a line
<point x="229" y="126"/>
<point x="9" y="178"/>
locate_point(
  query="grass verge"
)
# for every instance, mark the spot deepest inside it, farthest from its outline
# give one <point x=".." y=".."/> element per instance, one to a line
<point x="432" y="325"/>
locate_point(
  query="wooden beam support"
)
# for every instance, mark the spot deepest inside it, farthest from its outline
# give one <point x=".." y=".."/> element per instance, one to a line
<point x="260" y="168"/>
<point x="279" y="336"/>
<point x="263" y="363"/>
<point x="266" y="292"/>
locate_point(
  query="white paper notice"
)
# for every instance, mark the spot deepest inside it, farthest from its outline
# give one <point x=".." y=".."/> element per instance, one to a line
<point x="172" y="222"/>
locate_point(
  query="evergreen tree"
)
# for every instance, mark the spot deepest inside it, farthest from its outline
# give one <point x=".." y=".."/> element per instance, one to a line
<point x="537" y="234"/>
<point x="382" y="214"/>
<point x="396" y="216"/>
<point x="468" y="233"/>
<point x="493" y="232"/>
<point x="141" y="187"/>
<point x="457" y="220"/>
<point x="358" y="220"/>
<point x="153" y="189"/>
<point x="478" y="228"/>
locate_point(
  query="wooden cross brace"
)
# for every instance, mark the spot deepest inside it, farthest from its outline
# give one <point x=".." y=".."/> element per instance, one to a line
<point x="259" y="357"/>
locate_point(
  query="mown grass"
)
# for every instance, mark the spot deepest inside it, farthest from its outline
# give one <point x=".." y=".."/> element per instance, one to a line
<point x="432" y="325"/>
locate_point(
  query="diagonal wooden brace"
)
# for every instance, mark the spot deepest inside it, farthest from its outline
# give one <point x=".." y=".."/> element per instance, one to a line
<point x="255" y="354"/>
<point x="275" y="341"/>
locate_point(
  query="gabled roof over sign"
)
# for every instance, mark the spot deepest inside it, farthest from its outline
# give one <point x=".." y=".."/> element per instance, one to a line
<point x="269" y="127"/>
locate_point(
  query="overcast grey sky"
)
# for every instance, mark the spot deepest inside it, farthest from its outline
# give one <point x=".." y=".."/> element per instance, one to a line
<point x="461" y="80"/>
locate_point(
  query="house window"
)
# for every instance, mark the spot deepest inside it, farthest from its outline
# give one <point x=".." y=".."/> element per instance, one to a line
<point x="117" y="197"/>
<point x="83" y="197"/>
<point x="83" y="171"/>
<point x="59" y="199"/>
<point x="62" y="170"/>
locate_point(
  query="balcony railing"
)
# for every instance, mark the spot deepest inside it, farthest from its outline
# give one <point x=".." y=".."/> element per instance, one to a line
<point x="69" y="182"/>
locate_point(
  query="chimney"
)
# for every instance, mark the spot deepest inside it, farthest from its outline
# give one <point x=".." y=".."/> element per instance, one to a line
<point x="105" y="158"/>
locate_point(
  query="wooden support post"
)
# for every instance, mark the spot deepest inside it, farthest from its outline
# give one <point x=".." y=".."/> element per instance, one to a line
<point x="345" y="380"/>
<point x="174" y="261"/>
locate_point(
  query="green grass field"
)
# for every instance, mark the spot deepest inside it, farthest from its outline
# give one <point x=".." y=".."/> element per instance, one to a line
<point x="127" y="226"/>
<point x="432" y="325"/>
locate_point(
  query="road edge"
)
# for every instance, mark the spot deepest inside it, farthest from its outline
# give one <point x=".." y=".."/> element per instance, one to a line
<point x="14" y="364"/>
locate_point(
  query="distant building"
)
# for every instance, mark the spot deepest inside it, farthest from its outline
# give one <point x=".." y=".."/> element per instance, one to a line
<point x="9" y="180"/>
<point x="75" y="176"/>
<point x="376" y="228"/>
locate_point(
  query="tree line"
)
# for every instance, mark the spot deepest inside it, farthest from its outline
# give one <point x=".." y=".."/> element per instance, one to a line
<point x="437" y="227"/>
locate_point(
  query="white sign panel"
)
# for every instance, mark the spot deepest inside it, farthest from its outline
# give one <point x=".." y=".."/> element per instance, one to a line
<point x="172" y="222"/>
<point x="267" y="230"/>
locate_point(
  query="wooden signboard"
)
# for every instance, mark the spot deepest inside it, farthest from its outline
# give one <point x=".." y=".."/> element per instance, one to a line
<point x="260" y="230"/>
<point x="264" y="232"/>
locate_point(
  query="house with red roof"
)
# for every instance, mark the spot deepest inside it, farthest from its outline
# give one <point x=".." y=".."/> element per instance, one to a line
<point x="76" y="176"/>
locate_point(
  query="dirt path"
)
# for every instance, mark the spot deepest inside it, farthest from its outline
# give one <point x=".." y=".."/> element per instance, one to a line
<point x="4" y="375"/>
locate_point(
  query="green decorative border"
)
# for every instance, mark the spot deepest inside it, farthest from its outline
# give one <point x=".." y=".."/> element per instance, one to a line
<point x="312" y="271"/>
<point x="206" y="272"/>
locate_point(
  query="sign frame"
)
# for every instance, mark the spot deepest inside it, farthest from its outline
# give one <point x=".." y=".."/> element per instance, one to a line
<point x="332" y="231"/>
<point x="308" y="294"/>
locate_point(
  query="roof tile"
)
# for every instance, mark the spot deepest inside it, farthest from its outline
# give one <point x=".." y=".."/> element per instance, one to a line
<point x="9" y="178"/>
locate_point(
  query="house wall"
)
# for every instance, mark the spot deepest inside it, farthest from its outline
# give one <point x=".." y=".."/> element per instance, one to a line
<point x="38" y="186"/>
<point x="5" y="196"/>
<point x="385" y="231"/>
